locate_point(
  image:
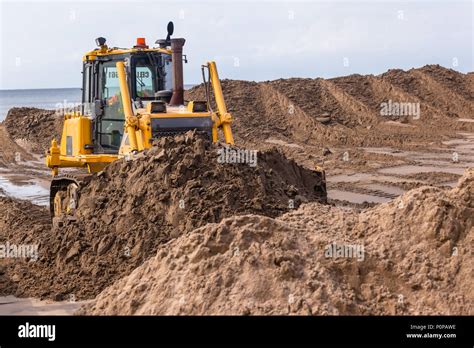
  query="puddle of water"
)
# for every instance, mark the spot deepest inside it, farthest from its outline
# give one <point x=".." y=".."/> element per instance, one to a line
<point x="445" y="153"/>
<point x="354" y="197"/>
<point x="29" y="190"/>
<point x="349" y="177"/>
<point x="393" y="190"/>
<point x="464" y="162"/>
<point x="413" y="169"/>
<point x="10" y="305"/>
<point x="387" y="151"/>
<point x="366" y="177"/>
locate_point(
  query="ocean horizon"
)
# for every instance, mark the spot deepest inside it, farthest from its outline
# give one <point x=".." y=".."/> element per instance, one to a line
<point x="45" y="98"/>
<point x="41" y="98"/>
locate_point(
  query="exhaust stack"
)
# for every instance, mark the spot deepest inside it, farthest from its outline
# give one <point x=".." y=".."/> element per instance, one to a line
<point x="178" y="82"/>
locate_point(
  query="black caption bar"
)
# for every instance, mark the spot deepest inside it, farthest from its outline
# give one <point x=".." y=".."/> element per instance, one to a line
<point x="60" y="330"/>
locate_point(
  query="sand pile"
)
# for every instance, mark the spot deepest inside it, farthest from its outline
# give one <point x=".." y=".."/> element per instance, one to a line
<point x="261" y="111"/>
<point x="33" y="127"/>
<point x="21" y="223"/>
<point x="416" y="259"/>
<point x="15" y="214"/>
<point x="451" y="79"/>
<point x="347" y="110"/>
<point x="133" y="207"/>
<point x="125" y="212"/>
<point x="442" y="93"/>
<point x="11" y="153"/>
<point x="320" y="100"/>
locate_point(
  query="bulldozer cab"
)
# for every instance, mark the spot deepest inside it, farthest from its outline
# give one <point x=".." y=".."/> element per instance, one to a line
<point x="132" y="96"/>
<point x="149" y="79"/>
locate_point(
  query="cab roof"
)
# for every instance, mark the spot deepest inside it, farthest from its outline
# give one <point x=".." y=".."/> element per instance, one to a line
<point x="91" y="55"/>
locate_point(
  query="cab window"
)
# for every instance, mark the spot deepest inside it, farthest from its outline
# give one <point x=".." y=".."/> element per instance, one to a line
<point x="109" y="126"/>
<point x="144" y="82"/>
<point x="111" y="85"/>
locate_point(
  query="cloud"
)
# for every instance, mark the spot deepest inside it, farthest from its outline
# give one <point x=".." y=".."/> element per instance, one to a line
<point x="270" y="39"/>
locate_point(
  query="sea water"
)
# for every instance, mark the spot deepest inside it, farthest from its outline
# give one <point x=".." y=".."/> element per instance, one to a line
<point x="37" y="98"/>
<point x="48" y="98"/>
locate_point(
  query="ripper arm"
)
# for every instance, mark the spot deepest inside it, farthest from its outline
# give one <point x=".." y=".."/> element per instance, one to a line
<point x="131" y="121"/>
<point x="224" y="117"/>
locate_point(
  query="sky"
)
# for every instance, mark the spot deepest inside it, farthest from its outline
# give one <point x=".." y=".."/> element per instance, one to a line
<point x="42" y="42"/>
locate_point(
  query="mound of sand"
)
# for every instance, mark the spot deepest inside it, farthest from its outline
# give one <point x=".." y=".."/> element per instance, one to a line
<point x="128" y="212"/>
<point x="442" y="93"/>
<point x="125" y="212"/>
<point x="347" y="110"/>
<point x="416" y="260"/>
<point x="21" y="223"/>
<point x="11" y="153"/>
<point x="33" y="127"/>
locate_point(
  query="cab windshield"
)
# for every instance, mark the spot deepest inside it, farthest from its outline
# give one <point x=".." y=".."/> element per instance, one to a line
<point x="149" y="74"/>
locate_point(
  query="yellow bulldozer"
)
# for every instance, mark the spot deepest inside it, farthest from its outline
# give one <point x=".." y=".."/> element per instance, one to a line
<point x="130" y="96"/>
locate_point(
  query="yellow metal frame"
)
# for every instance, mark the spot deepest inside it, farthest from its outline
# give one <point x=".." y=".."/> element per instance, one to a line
<point x="137" y="128"/>
<point x="131" y="121"/>
<point x="224" y="118"/>
<point x="105" y="51"/>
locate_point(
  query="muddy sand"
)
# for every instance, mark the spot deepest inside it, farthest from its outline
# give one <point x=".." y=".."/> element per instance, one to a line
<point x="409" y="256"/>
<point x="239" y="217"/>
<point x="127" y="211"/>
<point x="33" y="128"/>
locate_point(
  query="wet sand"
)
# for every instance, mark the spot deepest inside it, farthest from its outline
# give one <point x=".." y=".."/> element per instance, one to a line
<point x="10" y="305"/>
